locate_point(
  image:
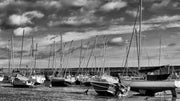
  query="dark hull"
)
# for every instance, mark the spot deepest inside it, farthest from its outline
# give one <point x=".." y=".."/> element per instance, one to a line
<point x="60" y="82"/>
<point x="157" y="77"/>
<point x="22" y="86"/>
<point x="104" y="88"/>
<point x="78" y="82"/>
<point x="87" y="83"/>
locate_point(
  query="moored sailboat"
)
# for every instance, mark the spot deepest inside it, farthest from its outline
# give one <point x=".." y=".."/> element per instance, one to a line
<point x="60" y="79"/>
<point x="107" y="85"/>
<point x="150" y="84"/>
<point x="19" y="80"/>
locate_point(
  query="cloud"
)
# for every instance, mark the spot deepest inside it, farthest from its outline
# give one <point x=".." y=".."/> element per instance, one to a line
<point x="77" y="3"/>
<point x="27" y="31"/>
<point x="49" y="39"/>
<point x="88" y="4"/>
<point x="49" y="3"/>
<point x="77" y="20"/>
<point x="164" y="18"/>
<point x="117" y="40"/>
<point x="132" y="12"/>
<point x="4" y="3"/>
<point x="164" y="3"/>
<point x="113" y="5"/>
<point x="112" y="30"/>
<point x="171" y="25"/>
<point x="33" y="14"/>
<point x="25" y="18"/>
<point x="18" y="20"/>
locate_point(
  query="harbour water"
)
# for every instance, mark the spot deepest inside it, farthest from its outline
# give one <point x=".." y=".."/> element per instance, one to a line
<point x="74" y="93"/>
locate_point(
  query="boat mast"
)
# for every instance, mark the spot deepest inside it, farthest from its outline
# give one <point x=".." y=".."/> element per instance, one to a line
<point x="9" y="55"/>
<point x="12" y="52"/>
<point x="69" y="57"/>
<point x="35" y="56"/>
<point x="61" y="57"/>
<point x="139" y="41"/>
<point x="50" y="53"/>
<point x="160" y="50"/>
<point x="21" y="50"/>
<point x="32" y="55"/>
<point x="91" y="53"/>
<point x="80" y="56"/>
<point x="104" y="55"/>
<point x="53" y="63"/>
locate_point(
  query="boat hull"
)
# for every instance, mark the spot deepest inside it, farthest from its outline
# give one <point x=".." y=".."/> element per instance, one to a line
<point x="104" y="88"/>
<point x="151" y="87"/>
<point x="39" y="79"/>
<point x="60" y="82"/>
<point x="22" y="83"/>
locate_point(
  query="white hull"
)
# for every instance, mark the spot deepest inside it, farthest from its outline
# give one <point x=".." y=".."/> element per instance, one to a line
<point x="21" y="81"/>
<point x="39" y="79"/>
<point x="1" y="78"/>
<point x="151" y="87"/>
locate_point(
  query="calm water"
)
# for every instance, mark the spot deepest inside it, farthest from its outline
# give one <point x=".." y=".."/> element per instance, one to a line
<point x="8" y="93"/>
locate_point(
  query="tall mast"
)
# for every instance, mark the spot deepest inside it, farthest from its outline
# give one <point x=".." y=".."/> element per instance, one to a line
<point x="139" y="46"/>
<point x="80" y="55"/>
<point x="50" y="53"/>
<point x="91" y="53"/>
<point x="61" y="56"/>
<point x="21" y="50"/>
<point x="9" y="55"/>
<point x="32" y="54"/>
<point x="12" y="52"/>
<point x="160" y="50"/>
<point x="69" y="57"/>
<point x="104" y="54"/>
<point x="54" y="46"/>
<point x="35" y="56"/>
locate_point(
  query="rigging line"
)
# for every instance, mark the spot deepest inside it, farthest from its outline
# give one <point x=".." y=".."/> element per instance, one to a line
<point x="140" y="23"/>
<point x="21" y="50"/>
<point x="70" y="55"/>
<point x="160" y="42"/>
<point x="92" y="50"/>
<point x="35" y="56"/>
<point x="104" y="56"/>
<point x="12" y="51"/>
<point x="80" y="59"/>
<point x="61" y="55"/>
<point x="31" y="54"/>
<point x="61" y="70"/>
<point x="83" y="58"/>
<point x="50" y="53"/>
<point x="127" y="55"/>
<point x="53" y="53"/>
<point x="9" y="56"/>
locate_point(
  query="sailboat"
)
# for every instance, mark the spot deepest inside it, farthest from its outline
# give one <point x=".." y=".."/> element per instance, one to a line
<point x="20" y="80"/>
<point x="107" y="85"/>
<point x="58" y="79"/>
<point x="5" y="77"/>
<point x="151" y="83"/>
<point x="39" y="79"/>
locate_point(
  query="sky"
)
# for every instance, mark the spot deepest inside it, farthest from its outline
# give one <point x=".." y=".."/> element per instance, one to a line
<point x="103" y="26"/>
